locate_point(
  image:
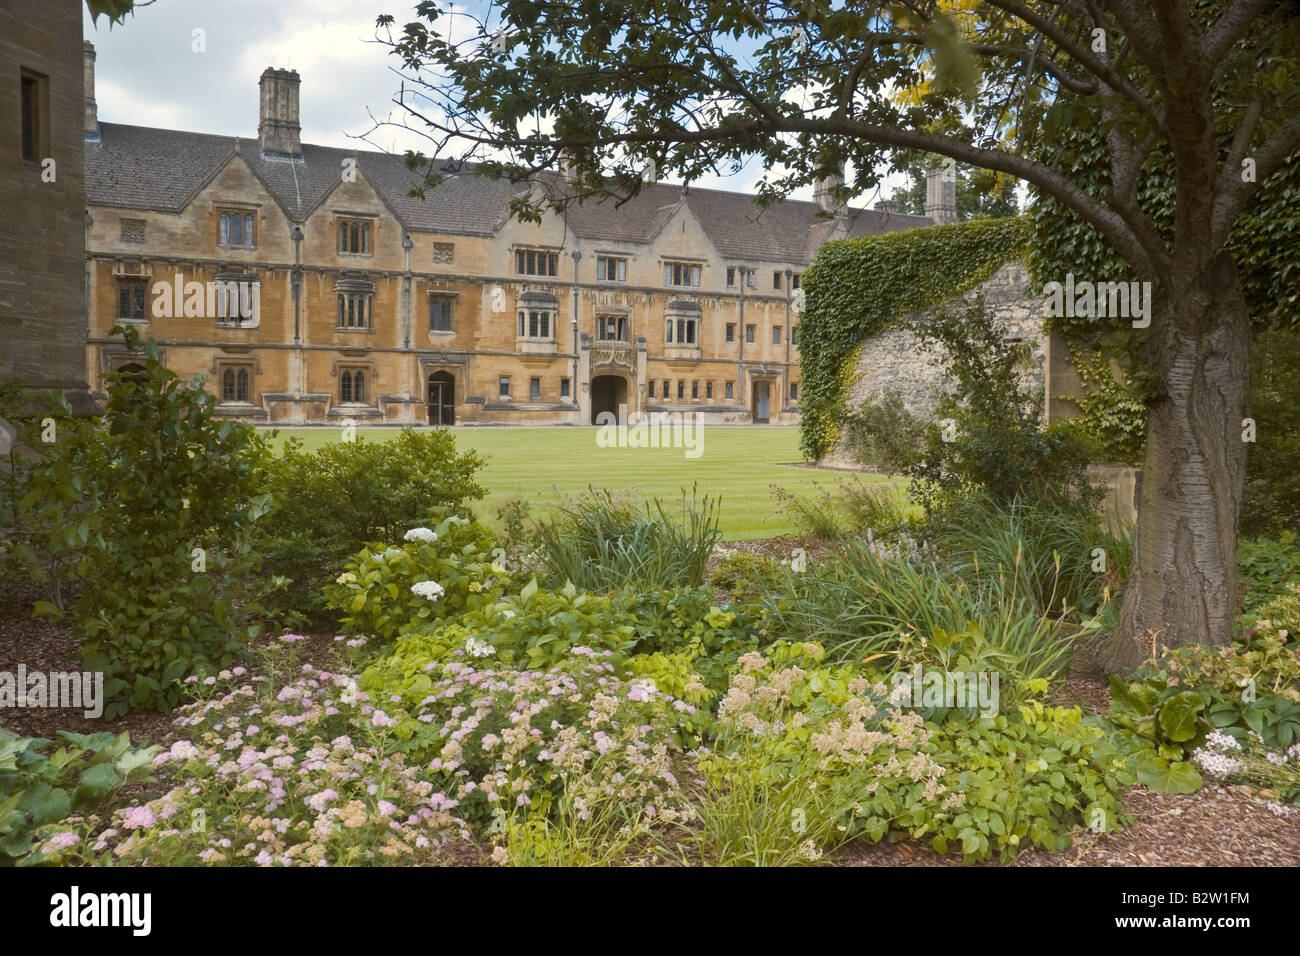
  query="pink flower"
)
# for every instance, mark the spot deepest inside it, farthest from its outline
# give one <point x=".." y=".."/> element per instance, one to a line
<point x="380" y="719"/>
<point x="387" y="809"/>
<point x="138" y="818"/>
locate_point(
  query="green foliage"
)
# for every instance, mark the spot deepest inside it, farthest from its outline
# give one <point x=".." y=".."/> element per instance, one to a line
<point x="987" y="435"/>
<point x="602" y="542"/>
<point x="1049" y="547"/>
<point x="1111" y="422"/>
<point x="981" y="193"/>
<point x="807" y="756"/>
<point x="884" y="435"/>
<point x="1272" y="495"/>
<point x="347" y="494"/>
<point x="688" y="624"/>
<point x="1262" y="241"/>
<point x="387" y="591"/>
<point x="857" y="287"/>
<point x="1268" y="567"/>
<point x="143" y="528"/>
<point x="854" y="508"/>
<point x="1284" y="610"/>
<point x="1171" y="706"/>
<point x="40" y="786"/>
<point x="749" y="577"/>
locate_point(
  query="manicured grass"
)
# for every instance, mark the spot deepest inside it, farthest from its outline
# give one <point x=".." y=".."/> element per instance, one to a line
<point x="740" y="464"/>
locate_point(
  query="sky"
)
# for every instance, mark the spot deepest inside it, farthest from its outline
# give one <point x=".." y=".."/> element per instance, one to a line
<point x="149" y="72"/>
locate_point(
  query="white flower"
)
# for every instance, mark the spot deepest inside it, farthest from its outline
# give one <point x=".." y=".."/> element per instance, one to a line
<point x="347" y="577"/>
<point x="427" y="535"/>
<point x="428" y="589"/>
<point x="477" y="648"/>
<point x="507" y="613"/>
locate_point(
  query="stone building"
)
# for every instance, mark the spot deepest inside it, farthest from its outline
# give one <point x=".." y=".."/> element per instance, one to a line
<point x="313" y="288"/>
<point x="42" y="198"/>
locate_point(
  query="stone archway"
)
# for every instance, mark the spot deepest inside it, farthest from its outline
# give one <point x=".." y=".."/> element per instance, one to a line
<point x="608" y="392"/>
<point x="441" y="398"/>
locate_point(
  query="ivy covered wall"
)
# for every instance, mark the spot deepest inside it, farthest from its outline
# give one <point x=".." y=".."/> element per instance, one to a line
<point x="856" y="288"/>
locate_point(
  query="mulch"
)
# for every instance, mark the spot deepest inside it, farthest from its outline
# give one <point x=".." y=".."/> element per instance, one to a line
<point x="1216" y="826"/>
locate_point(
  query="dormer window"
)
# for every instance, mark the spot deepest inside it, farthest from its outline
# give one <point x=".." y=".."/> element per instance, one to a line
<point x="536" y="262"/>
<point x="354" y="237"/>
<point x="237" y="229"/>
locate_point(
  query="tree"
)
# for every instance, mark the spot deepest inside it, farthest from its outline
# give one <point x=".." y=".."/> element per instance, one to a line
<point x="809" y="85"/>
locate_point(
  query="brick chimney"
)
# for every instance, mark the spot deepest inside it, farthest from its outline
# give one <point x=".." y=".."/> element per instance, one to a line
<point x="278" y="130"/>
<point x="90" y="122"/>
<point x="941" y="195"/>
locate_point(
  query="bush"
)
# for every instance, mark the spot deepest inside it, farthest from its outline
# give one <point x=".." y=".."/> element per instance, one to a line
<point x="40" y="788"/>
<point x="437" y="573"/>
<point x="864" y="603"/>
<point x="602" y="543"/>
<point x="807" y="756"/>
<point x="1272" y="496"/>
<point x="853" y="508"/>
<point x="987" y="435"/>
<point x="144" y="529"/>
<point x="882" y="434"/>
<point x="348" y="494"/>
<point x="1050" y="546"/>
<point x="1267" y="567"/>
<point x="749" y="577"/>
<point x="1249" y="691"/>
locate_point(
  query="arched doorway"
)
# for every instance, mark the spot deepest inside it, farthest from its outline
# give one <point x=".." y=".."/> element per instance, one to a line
<point x="608" y="392"/>
<point x="442" y="399"/>
<point x="762" y="406"/>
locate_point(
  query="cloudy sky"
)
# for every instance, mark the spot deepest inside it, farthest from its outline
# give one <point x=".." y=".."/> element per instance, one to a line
<point x="148" y="72"/>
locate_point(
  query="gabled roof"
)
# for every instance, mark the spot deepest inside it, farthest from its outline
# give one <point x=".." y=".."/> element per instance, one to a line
<point x="138" y="167"/>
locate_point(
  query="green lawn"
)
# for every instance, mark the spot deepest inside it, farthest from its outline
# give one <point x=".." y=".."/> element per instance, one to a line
<point x="739" y="464"/>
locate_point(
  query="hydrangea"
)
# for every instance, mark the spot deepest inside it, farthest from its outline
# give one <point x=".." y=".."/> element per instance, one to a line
<point x="424" y="535"/>
<point x="475" y="647"/>
<point x="428" y="589"/>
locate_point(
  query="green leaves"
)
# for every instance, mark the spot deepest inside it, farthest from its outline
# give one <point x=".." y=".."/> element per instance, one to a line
<point x="1168" y="776"/>
<point x="1179" y="715"/>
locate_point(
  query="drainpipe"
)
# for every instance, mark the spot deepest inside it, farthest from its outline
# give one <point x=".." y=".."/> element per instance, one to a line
<point x="296" y="235"/>
<point x="577" y="256"/>
<point x="407" y="245"/>
<point x="789" y="277"/>
<point x="740" y="334"/>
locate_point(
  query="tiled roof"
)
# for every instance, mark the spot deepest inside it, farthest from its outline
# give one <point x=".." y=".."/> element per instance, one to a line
<point x="141" y="168"/>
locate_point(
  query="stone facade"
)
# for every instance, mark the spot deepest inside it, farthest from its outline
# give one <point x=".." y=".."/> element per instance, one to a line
<point x="42" y="196"/>
<point x="678" y="300"/>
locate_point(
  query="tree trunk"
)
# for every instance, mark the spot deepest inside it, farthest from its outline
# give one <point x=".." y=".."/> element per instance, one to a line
<point x="1183" y="585"/>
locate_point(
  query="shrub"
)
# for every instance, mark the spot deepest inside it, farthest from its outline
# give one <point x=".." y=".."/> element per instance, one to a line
<point x="865" y="603"/>
<point x="1272" y="495"/>
<point x="1267" y="566"/>
<point x="437" y="573"/>
<point x="853" y="508"/>
<point x="348" y="494"/>
<point x="882" y="434"/>
<point x="808" y="756"/>
<point x="1248" y="691"/>
<point x="602" y="543"/>
<point x="994" y="442"/>
<point x="144" y="529"/>
<point x="749" y="577"/>
<point x="41" y="787"/>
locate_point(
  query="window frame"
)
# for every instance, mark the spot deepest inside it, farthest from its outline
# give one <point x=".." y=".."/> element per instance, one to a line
<point x="346" y="316"/>
<point x="529" y="257"/>
<point x="691" y="272"/>
<point x="603" y="269"/>
<point x="355" y="232"/>
<point x="227" y="219"/>
<point x="142" y="287"/>
<point x="448" y="304"/>
<point x="353" y="385"/>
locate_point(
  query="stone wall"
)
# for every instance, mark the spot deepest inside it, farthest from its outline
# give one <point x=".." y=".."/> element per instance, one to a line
<point x="42" y="200"/>
<point x="892" y="361"/>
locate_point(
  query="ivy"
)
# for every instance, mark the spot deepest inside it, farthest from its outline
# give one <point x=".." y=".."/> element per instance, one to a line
<point x="1111" y="421"/>
<point x="856" y="288"/>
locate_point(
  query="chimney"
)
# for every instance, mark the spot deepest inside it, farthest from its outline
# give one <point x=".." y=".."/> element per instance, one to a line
<point x="824" y="187"/>
<point x="90" y="122"/>
<point x="887" y="206"/>
<point x="278" y="131"/>
<point x="941" y="194"/>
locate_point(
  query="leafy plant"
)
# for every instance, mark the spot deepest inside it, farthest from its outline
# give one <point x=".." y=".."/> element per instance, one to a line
<point x="882" y="434"/>
<point x="144" y="528"/>
<point x="41" y="785"/>
<point x="1268" y="566"/>
<point x="601" y="543"/>
<point x="437" y="573"/>
<point x="347" y="494"/>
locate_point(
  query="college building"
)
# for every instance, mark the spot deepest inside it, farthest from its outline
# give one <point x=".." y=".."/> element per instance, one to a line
<point x="313" y="287"/>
